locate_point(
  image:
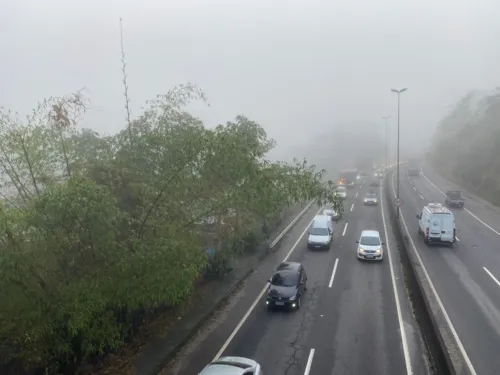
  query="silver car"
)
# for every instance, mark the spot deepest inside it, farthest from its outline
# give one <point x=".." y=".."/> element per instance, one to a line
<point x="370" y="246"/>
<point x="232" y="366"/>
<point x="370" y="199"/>
<point x="341" y="192"/>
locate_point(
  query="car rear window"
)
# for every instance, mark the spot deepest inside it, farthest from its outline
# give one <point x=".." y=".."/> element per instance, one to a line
<point x="319" y="231"/>
<point x="370" y="241"/>
<point x="285" y="279"/>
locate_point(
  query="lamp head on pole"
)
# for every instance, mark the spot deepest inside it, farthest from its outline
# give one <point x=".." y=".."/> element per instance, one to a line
<point x="399" y="90"/>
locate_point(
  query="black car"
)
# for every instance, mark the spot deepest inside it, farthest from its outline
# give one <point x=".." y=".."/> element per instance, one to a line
<point x="287" y="286"/>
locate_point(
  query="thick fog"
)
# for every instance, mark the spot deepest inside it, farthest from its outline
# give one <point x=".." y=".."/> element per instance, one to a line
<point x="315" y="74"/>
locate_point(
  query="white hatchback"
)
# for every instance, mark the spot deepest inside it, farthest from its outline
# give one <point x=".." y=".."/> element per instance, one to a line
<point x="370" y="245"/>
<point x="232" y="366"/>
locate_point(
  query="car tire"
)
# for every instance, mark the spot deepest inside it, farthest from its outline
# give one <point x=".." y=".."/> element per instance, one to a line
<point x="298" y="303"/>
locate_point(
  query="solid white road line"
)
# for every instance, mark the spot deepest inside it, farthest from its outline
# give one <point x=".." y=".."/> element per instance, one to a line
<point x="488" y="272"/>
<point x="465" y="209"/>
<point x="249" y="311"/>
<point x="356" y="195"/>
<point x="421" y="197"/>
<point x="345" y="228"/>
<point x="458" y="239"/>
<point x="406" y="351"/>
<point x="277" y="239"/>
<point x="436" y="295"/>
<point x="352" y="207"/>
<point x="333" y="273"/>
<point x="414" y="188"/>
<point x="309" y="362"/>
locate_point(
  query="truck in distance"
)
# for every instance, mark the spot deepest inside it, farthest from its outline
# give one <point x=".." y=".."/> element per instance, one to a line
<point x="348" y="177"/>
<point x="414" y="167"/>
<point x="454" y="198"/>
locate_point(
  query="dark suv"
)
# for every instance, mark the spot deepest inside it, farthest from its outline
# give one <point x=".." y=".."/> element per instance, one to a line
<point x="287" y="286"/>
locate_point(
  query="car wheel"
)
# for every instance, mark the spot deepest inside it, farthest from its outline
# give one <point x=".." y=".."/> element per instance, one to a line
<point x="298" y="303"/>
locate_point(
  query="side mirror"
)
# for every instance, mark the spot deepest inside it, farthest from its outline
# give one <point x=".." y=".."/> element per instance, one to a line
<point x="383" y="243"/>
<point x="269" y="281"/>
<point x="418" y="216"/>
<point x="357" y="241"/>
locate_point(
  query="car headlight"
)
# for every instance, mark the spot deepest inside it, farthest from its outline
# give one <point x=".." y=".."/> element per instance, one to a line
<point x="378" y="251"/>
<point x="361" y="250"/>
<point x="366" y="200"/>
<point x="292" y="298"/>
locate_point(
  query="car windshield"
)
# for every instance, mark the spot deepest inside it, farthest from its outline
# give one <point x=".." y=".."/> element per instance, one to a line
<point x="341" y="188"/>
<point x="284" y="279"/>
<point x="370" y="241"/>
<point x="368" y="195"/>
<point x="319" y="231"/>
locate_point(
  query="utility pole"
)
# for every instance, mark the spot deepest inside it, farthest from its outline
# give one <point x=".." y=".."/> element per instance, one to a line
<point x="385" y="118"/>
<point x="398" y="91"/>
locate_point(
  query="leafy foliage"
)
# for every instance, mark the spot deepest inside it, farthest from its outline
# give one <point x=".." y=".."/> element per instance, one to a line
<point x="98" y="231"/>
<point x="468" y="143"/>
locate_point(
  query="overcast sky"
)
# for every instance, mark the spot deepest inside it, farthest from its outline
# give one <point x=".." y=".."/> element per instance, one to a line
<point x="298" y="67"/>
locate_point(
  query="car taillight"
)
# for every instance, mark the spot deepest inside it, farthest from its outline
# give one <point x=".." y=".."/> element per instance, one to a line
<point x="427" y="232"/>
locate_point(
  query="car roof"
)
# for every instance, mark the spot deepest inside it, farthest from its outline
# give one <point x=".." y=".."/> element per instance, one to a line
<point x="288" y="266"/>
<point x="229" y="366"/>
<point x="370" y="233"/>
<point x="437" y="208"/>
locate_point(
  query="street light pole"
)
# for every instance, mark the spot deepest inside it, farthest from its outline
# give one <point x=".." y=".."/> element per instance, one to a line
<point x="398" y="91"/>
<point x="385" y="118"/>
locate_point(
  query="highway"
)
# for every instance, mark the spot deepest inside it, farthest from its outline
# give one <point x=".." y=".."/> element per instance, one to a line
<point x="466" y="277"/>
<point x="355" y="316"/>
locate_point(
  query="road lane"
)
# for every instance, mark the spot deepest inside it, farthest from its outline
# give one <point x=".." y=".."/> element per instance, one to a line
<point x="360" y="332"/>
<point x="211" y="338"/>
<point x="348" y="318"/>
<point x="469" y="296"/>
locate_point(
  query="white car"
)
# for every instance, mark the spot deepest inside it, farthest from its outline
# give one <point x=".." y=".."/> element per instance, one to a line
<point x="370" y="246"/>
<point x="370" y="199"/>
<point x="341" y="192"/>
<point x="329" y="211"/>
<point x="232" y="366"/>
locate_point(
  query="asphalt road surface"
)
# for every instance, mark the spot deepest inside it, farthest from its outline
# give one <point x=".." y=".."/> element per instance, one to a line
<point x="466" y="277"/>
<point x="354" y="320"/>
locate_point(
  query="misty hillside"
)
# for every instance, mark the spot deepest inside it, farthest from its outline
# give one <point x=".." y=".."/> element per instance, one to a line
<point x="467" y="144"/>
<point x="346" y="145"/>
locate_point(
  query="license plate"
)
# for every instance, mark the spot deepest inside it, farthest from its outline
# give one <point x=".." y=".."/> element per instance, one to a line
<point x="280" y="303"/>
<point x="370" y="256"/>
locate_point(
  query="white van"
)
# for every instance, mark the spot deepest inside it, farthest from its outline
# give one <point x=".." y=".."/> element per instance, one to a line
<point x="320" y="233"/>
<point x="437" y="224"/>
